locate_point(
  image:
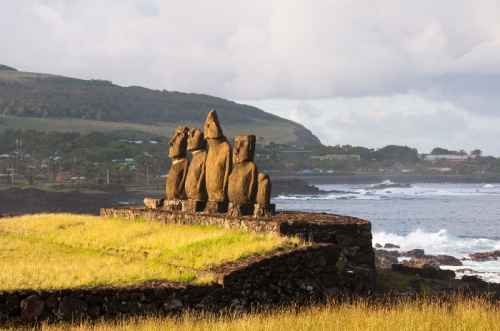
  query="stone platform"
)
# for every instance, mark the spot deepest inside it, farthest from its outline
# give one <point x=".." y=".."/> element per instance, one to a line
<point x="337" y="261"/>
<point x="313" y="227"/>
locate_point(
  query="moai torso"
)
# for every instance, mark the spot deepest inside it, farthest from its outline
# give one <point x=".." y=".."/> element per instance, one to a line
<point x="242" y="185"/>
<point x="263" y="197"/>
<point x="176" y="176"/>
<point x="218" y="162"/>
<point x="263" y="206"/>
<point x="195" y="180"/>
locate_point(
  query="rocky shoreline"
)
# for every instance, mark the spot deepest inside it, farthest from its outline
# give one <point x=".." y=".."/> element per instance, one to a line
<point x="431" y="273"/>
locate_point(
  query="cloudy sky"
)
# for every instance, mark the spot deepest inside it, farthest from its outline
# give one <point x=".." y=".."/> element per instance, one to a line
<point x="374" y="72"/>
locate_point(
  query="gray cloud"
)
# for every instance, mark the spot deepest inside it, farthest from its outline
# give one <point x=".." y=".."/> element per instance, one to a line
<point x="444" y="52"/>
<point x="405" y="119"/>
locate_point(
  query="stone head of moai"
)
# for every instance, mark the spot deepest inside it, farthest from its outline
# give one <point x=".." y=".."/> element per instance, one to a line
<point x="178" y="143"/>
<point x="212" y="126"/>
<point x="195" y="140"/>
<point x="244" y="148"/>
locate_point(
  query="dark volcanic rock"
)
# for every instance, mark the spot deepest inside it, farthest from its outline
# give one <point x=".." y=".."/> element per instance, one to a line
<point x="385" y="259"/>
<point x="485" y="256"/>
<point x="447" y="260"/>
<point x="30" y="201"/>
<point x="32" y="308"/>
<point x="414" y="253"/>
<point x="282" y="186"/>
<point x="389" y="246"/>
<point x="71" y="308"/>
<point x="425" y="271"/>
<point x="434" y="260"/>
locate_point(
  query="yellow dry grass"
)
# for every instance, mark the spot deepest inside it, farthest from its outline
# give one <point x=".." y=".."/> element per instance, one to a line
<point x="465" y="314"/>
<point x="50" y="251"/>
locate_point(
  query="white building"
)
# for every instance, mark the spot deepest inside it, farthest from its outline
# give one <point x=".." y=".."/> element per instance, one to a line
<point x="446" y="157"/>
<point x="337" y="157"/>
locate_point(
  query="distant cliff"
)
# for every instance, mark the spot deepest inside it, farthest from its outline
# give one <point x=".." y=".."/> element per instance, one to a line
<point x="35" y="95"/>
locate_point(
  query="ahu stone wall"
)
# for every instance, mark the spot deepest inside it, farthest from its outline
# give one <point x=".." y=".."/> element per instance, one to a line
<point x="337" y="261"/>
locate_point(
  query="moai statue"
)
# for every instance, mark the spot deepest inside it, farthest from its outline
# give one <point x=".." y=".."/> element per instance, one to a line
<point x="217" y="166"/>
<point x="196" y="190"/>
<point x="263" y="206"/>
<point x="242" y="186"/>
<point x="176" y="177"/>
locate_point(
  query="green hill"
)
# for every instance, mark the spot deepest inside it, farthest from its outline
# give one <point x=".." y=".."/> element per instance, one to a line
<point x="50" y="102"/>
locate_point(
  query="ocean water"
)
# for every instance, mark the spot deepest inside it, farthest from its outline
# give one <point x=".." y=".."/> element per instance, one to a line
<point x="452" y="219"/>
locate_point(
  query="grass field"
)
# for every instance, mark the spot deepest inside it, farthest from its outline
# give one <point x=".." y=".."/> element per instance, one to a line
<point x="50" y="251"/>
<point x="464" y="314"/>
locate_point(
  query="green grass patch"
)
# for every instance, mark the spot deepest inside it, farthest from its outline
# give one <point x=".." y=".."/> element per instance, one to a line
<point x="49" y="251"/>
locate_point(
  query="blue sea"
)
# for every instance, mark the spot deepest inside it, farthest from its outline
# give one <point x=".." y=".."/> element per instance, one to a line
<point x="452" y="219"/>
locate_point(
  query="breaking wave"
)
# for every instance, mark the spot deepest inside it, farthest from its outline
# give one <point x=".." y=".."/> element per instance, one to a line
<point x="441" y="242"/>
<point x="390" y="190"/>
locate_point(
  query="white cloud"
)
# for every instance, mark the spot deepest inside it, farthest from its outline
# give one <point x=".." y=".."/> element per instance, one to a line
<point x="379" y="121"/>
<point x="444" y="52"/>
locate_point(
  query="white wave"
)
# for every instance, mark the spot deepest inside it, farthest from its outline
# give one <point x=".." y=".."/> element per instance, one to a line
<point x="422" y="191"/>
<point x="332" y="196"/>
<point x="487" y="271"/>
<point x="442" y="242"/>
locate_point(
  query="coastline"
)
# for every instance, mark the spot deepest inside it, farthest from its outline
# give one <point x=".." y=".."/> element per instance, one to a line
<point x="376" y="178"/>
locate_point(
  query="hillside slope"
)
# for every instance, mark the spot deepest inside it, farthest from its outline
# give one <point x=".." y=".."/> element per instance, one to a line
<point x="56" y="98"/>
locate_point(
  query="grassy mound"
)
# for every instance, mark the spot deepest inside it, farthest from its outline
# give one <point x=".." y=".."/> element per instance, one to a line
<point x="50" y="251"/>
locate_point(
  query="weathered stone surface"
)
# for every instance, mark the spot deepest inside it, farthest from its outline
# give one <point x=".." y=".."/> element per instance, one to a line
<point x="385" y="259"/>
<point x="263" y="197"/>
<point x="425" y="271"/>
<point x="71" y="308"/>
<point x="414" y="253"/>
<point x="32" y="308"/>
<point x="242" y="186"/>
<point x="435" y="260"/>
<point x="267" y="210"/>
<point x="173" y="205"/>
<point x="239" y="209"/>
<point x="215" y="207"/>
<point x="485" y="256"/>
<point x="153" y="203"/>
<point x="218" y="162"/>
<point x="195" y="181"/>
<point x="176" y="176"/>
<point x="389" y="246"/>
<point x="193" y="206"/>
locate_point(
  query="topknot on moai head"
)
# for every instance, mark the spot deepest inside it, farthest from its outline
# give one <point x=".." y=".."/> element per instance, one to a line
<point x="178" y="143"/>
<point x="244" y="148"/>
<point x="196" y="140"/>
<point x="212" y="126"/>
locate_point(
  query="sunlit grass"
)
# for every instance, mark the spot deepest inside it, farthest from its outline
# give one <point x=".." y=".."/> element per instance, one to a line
<point x="64" y="250"/>
<point x="464" y="314"/>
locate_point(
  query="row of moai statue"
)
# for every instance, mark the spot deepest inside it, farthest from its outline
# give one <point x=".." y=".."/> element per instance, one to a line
<point x="219" y="178"/>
